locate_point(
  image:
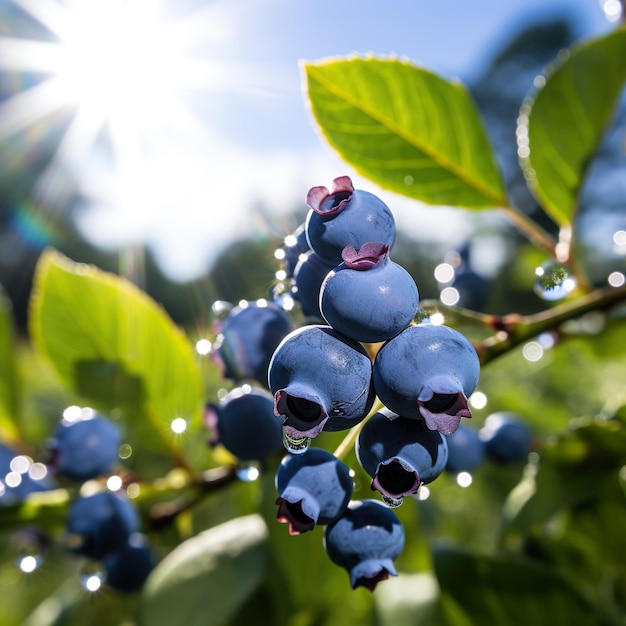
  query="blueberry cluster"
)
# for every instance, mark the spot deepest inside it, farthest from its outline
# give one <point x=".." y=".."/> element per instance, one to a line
<point x="362" y="361"/>
<point x="102" y="527"/>
<point x="359" y="359"/>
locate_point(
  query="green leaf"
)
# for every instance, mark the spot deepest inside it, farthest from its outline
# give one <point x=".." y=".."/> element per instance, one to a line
<point x="406" y="129"/>
<point x="9" y="380"/>
<point x="510" y="590"/>
<point x="206" y="579"/>
<point x="409" y="599"/>
<point x="112" y="344"/>
<point x="568" y="118"/>
<point x="591" y="450"/>
<point x="73" y="605"/>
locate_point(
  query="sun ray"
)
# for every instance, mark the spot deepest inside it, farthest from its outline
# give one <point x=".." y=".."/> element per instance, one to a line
<point x="29" y="55"/>
<point x="31" y="105"/>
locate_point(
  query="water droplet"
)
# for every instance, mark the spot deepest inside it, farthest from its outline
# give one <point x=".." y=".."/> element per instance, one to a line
<point x="553" y="281"/>
<point x="203" y="347"/>
<point x="125" y="451"/>
<point x="464" y="479"/>
<point x="248" y="474"/>
<point x="391" y="502"/>
<point x="296" y="446"/>
<point x="30" y="548"/>
<point x="178" y="425"/>
<point x="92" y="576"/>
<point x="221" y="308"/>
<point x="423" y="493"/>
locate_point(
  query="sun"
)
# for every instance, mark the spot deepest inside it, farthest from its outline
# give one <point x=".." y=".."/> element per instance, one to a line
<point x="121" y="66"/>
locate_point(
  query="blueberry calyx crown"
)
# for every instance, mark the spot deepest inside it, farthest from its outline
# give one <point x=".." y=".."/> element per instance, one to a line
<point x="293" y="514"/>
<point x="325" y="202"/>
<point x="395" y="479"/>
<point x="370" y="254"/>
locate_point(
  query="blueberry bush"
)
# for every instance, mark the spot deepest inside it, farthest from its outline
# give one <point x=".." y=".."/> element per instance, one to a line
<point x="347" y="450"/>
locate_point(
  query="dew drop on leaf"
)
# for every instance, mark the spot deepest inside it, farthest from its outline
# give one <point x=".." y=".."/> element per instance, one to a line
<point x="553" y="281"/>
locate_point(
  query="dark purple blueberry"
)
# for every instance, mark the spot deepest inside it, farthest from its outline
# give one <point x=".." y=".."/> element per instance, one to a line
<point x="100" y="524"/>
<point x="507" y="437"/>
<point x="400" y="454"/>
<point x="84" y="448"/>
<point x="365" y="540"/>
<point x="321" y="380"/>
<point x="128" y="568"/>
<point x="466" y="451"/>
<point x="369" y="297"/>
<point x="247" y="337"/>
<point x="344" y="216"/>
<point x="428" y="372"/>
<point x="308" y="277"/>
<point x="314" y="488"/>
<point x="245" y="424"/>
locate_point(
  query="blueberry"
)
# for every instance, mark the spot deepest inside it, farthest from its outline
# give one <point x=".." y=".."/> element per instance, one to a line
<point x="400" y="454"/>
<point x="245" y="424"/>
<point x="16" y="482"/>
<point x="428" y="372"/>
<point x="346" y="216"/>
<point x="293" y="247"/>
<point x="309" y="275"/>
<point x="507" y="437"/>
<point x="247" y="337"/>
<point x="365" y="540"/>
<point x="100" y="524"/>
<point x="473" y="289"/>
<point x="321" y="380"/>
<point x="466" y="451"/>
<point x="84" y="448"/>
<point x="369" y="297"/>
<point x="314" y="488"/>
<point x="128" y="568"/>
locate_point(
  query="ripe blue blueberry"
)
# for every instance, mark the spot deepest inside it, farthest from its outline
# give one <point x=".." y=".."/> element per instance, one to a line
<point x="428" y="372"/>
<point x="247" y="337"/>
<point x="15" y="479"/>
<point x="85" y="448"/>
<point x="128" y="568"/>
<point x="368" y="297"/>
<point x="100" y="524"/>
<point x="245" y="424"/>
<point x="400" y="454"/>
<point x="308" y="277"/>
<point x="507" y="437"/>
<point x="466" y="451"/>
<point x="365" y="540"/>
<point x="321" y="380"/>
<point x="314" y="488"/>
<point x="293" y="247"/>
<point x="346" y="216"/>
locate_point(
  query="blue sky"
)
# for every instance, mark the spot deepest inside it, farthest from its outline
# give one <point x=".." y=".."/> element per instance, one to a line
<point x="239" y="133"/>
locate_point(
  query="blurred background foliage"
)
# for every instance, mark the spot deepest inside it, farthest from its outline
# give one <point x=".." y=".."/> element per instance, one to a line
<point x="564" y="510"/>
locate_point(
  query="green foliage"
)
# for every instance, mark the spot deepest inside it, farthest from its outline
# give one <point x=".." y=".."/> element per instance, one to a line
<point x="204" y="580"/>
<point x="510" y="590"/>
<point x="9" y="387"/>
<point x="104" y="336"/>
<point x="406" y="129"/>
<point x="567" y="118"/>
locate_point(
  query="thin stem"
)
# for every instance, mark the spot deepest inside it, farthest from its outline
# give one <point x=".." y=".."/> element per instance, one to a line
<point x="350" y="439"/>
<point x="165" y="513"/>
<point x="535" y="233"/>
<point x="514" y="329"/>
